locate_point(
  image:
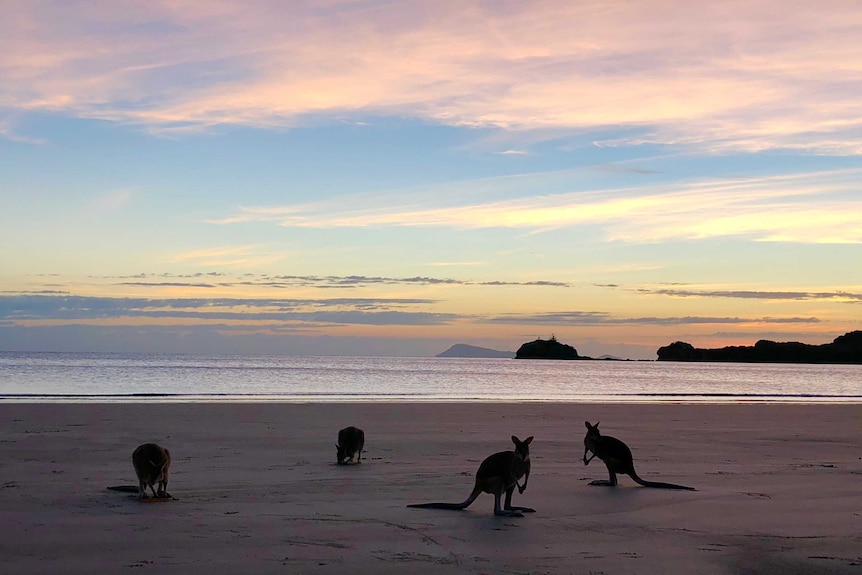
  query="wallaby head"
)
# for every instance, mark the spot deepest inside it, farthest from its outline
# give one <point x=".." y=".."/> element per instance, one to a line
<point x="591" y="440"/>
<point x="522" y="448"/>
<point x="340" y="454"/>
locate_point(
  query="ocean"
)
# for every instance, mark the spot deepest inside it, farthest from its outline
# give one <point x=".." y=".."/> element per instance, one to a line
<point x="113" y="377"/>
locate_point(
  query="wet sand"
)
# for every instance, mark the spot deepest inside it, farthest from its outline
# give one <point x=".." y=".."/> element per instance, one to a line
<point x="779" y="490"/>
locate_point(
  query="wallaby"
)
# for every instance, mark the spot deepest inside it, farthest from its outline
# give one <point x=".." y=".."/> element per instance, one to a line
<point x="617" y="456"/>
<point x="351" y="441"/>
<point x="152" y="463"/>
<point x="499" y="473"/>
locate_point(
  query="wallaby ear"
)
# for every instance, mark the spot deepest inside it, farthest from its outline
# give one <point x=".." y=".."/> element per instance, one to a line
<point x="515" y="440"/>
<point x="587" y="424"/>
<point x="529" y="440"/>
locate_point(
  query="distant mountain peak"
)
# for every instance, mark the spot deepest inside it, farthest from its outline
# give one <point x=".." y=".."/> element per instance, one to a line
<point x="466" y="350"/>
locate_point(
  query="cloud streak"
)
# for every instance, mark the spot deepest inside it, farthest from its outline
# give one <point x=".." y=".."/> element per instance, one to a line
<point x="358" y="311"/>
<point x="841" y="296"/>
<point x="231" y="257"/>
<point x="288" y="281"/>
<point x="600" y="318"/>
<point x="764" y="75"/>
<point x="819" y="207"/>
<point x="45" y="310"/>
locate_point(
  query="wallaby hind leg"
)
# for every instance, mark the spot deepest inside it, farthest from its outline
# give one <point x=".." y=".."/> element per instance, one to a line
<point x="504" y="512"/>
<point x="508" y="504"/>
<point x="143" y="490"/>
<point x="612" y="482"/>
<point x="163" y="488"/>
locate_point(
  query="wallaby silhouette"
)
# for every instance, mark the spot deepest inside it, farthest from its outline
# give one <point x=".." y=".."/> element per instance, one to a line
<point x="151" y="463"/>
<point x="351" y="441"/>
<point x="617" y="456"/>
<point x="497" y="474"/>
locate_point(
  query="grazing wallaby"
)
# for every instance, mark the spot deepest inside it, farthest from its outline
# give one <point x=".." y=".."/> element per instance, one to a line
<point x="351" y="441"/>
<point x="617" y="456"/>
<point x="152" y="463"/>
<point x="499" y="473"/>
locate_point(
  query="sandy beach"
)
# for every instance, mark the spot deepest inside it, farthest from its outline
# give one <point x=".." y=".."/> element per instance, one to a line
<point x="779" y="490"/>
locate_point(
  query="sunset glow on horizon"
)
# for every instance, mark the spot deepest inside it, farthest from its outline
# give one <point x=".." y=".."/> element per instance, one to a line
<point x="374" y="178"/>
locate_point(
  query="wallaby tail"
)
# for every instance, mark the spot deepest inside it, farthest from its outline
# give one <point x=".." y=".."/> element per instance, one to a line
<point x="659" y="484"/>
<point x="456" y="506"/>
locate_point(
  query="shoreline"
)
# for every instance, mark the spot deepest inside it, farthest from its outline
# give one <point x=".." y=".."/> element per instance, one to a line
<point x="257" y="488"/>
<point x="621" y="399"/>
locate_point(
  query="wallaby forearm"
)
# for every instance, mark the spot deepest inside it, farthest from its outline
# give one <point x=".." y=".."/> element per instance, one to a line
<point x="522" y="488"/>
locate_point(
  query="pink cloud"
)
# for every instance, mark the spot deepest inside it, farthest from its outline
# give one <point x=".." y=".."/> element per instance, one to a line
<point x="720" y="75"/>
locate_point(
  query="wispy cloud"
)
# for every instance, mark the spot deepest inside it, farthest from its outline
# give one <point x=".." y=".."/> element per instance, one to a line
<point x="213" y="253"/>
<point x="9" y="130"/>
<point x="763" y="75"/>
<point x="601" y="318"/>
<point x="143" y="276"/>
<point x="110" y="202"/>
<point x="45" y="310"/>
<point x="754" y="294"/>
<point x="168" y="284"/>
<point x="362" y="311"/>
<point x="817" y="207"/>
<point x="455" y="264"/>
<point x="285" y="281"/>
<point x="619" y="168"/>
<point x="231" y="257"/>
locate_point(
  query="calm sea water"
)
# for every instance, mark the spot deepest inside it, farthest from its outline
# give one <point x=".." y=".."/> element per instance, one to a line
<point x="141" y="377"/>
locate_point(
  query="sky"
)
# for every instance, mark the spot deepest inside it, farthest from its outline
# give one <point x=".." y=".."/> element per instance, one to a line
<point x="371" y="177"/>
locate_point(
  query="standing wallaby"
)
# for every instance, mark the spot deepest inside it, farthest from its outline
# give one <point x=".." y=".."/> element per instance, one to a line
<point x="617" y="456"/>
<point x="152" y="463"/>
<point x="351" y="441"/>
<point x="499" y="473"/>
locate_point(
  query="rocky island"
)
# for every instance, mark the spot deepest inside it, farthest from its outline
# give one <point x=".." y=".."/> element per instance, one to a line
<point x="844" y="349"/>
<point x="547" y="349"/>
